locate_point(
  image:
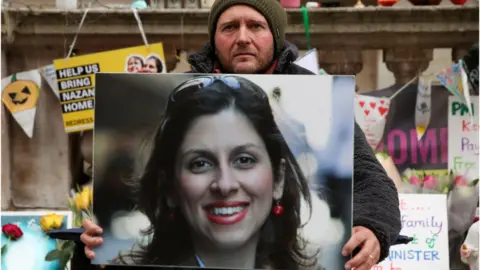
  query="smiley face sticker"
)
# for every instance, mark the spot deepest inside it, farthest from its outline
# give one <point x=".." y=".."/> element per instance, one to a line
<point x="20" y="95"/>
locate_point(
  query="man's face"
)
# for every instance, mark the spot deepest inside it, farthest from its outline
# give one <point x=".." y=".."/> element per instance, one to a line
<point x="243" y="40"/>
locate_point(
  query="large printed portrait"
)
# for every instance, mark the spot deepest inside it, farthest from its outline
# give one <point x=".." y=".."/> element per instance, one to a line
<point x="223" y="171"/>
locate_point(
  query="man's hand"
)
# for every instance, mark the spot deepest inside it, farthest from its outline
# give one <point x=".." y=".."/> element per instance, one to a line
<point x="369" y="249"/>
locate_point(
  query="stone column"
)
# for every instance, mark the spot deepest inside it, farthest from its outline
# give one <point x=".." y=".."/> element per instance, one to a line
<point x="459" y="52"/>
<point x="5" y="144"/>
<point x="171" y="59"/>
<point x="40" y="166"/>
<point x="341" y="62"/>
<point x="406" y="63"/>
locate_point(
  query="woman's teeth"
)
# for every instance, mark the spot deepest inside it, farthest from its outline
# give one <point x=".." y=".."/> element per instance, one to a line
<point x="226" y="211"/>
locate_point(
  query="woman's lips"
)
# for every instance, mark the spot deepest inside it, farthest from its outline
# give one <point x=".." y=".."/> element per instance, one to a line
<point x="226" y="213"/>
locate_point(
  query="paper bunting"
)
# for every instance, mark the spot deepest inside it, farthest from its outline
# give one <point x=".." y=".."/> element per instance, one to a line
<point x="20" y="94"/>
<point x="371" y="115"/>
<point x="48" y="73"/>
<point x="450" y="78"/>
<point x="309" y="61"/>
<point x="465" y="88"/>
<point x="455" y="80"/>
<point x="423" y="105"/>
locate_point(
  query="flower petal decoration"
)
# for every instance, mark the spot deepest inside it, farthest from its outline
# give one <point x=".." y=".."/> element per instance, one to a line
<point x="12" y="231"/>
<point x="51" y="222"/>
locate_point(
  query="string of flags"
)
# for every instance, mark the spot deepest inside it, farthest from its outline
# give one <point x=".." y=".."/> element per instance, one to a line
<point x="21" y="91"/>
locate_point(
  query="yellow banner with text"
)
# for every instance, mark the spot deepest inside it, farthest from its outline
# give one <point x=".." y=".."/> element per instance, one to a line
<point x="76" y="79"/>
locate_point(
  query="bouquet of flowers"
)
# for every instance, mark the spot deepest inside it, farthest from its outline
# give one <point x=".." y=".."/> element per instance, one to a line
<point x="462" y="195"/>
<point x="80" y="201"/>
<point x="422" y="181"/>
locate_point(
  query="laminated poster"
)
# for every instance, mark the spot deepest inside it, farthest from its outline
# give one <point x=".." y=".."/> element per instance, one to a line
<point x="28" y="251"/>
<point x="239" y="121"/>
<point x="76" y="79"/>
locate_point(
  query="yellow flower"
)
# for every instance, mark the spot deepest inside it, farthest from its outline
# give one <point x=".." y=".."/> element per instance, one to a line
<point x="83" y="198"/>
<point x="90" y="190"/>
<point x="51" y="222"/>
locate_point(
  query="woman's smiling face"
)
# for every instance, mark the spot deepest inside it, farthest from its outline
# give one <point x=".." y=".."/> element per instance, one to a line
<point x="225" y="183"/>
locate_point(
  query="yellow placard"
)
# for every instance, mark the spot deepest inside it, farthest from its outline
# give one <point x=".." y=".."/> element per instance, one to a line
<point x="76" y="79"/>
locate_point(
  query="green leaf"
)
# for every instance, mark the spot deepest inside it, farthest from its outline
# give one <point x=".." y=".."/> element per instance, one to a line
<point x="53" y="255"/>
<point x="64" y="258"/>
<point x="4" y="249"/>
<point x="14" y="78"/>
<point x="68" y="246"/>
<point x="474" y="182"/>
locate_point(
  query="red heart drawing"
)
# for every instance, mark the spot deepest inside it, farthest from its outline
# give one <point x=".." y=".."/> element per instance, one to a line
<point x="362" y="103"/>
<point x="382" y="101"/>
<point x="367" y="112"/>
<point x="382" y="110"/>
<point x="373" y="104"/>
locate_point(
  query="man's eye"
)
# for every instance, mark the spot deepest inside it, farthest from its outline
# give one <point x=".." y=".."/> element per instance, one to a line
<point x="228" y="27"/>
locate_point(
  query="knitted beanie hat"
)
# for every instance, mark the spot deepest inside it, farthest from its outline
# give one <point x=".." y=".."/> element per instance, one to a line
<point x="273" y="12"/>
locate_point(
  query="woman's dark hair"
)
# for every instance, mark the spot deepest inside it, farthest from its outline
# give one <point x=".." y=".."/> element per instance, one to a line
<point x="280" y="246"/>
<point x="158" y="63"/>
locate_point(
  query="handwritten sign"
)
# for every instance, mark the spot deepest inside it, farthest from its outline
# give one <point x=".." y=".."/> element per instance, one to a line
<point x="424" y="217"/>
<point x="463" y="137"/>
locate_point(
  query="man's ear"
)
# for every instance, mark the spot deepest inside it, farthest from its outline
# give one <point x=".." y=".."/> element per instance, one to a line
<point x="279" y="184"/>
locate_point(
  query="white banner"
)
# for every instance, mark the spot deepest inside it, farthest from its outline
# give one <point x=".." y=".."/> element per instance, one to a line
<point x="424" y="217"/>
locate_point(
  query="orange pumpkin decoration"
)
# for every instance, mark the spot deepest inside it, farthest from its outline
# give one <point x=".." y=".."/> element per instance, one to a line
<point x="20" y="95"/>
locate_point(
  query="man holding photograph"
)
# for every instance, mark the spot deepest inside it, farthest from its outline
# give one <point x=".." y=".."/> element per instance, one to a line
<point x="248" y="37"/>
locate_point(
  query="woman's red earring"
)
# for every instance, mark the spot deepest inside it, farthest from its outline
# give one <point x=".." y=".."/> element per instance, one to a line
<point x="277" y="209"/>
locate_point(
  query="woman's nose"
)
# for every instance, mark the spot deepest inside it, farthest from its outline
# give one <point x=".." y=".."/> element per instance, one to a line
<point x="226" y="182"/>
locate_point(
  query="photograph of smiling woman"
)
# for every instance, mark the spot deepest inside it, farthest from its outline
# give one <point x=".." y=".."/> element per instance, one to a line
<point x="221" y="180"/>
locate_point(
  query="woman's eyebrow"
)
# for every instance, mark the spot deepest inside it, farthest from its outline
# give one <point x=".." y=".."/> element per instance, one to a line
<point x="210" y="154"/>
<point x="197" y="151"/>
<point x="246" y="146"/>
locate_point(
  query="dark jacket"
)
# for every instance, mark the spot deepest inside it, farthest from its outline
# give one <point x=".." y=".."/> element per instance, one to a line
<point x="375" y="205"/>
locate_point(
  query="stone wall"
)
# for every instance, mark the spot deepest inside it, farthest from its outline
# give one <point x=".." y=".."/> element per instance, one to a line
<point x="36" y="172"/>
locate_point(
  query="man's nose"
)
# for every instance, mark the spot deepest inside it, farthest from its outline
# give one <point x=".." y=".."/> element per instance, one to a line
<point x="226" y="182"/>
<point x="243" y="35"/>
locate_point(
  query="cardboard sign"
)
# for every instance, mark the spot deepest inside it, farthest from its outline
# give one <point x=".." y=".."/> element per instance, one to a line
<point x="424" y="217"/>
<point x="76" y="79"/>
<point x="463" y="137"/>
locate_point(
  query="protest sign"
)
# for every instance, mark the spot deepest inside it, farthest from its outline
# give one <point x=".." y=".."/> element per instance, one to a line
<point x="316" y="138"/>
<point x="76" y="79"/>
<point x="463" y="137"/>
<point x="424" y="217"/>
<point x="400" y="138"/>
